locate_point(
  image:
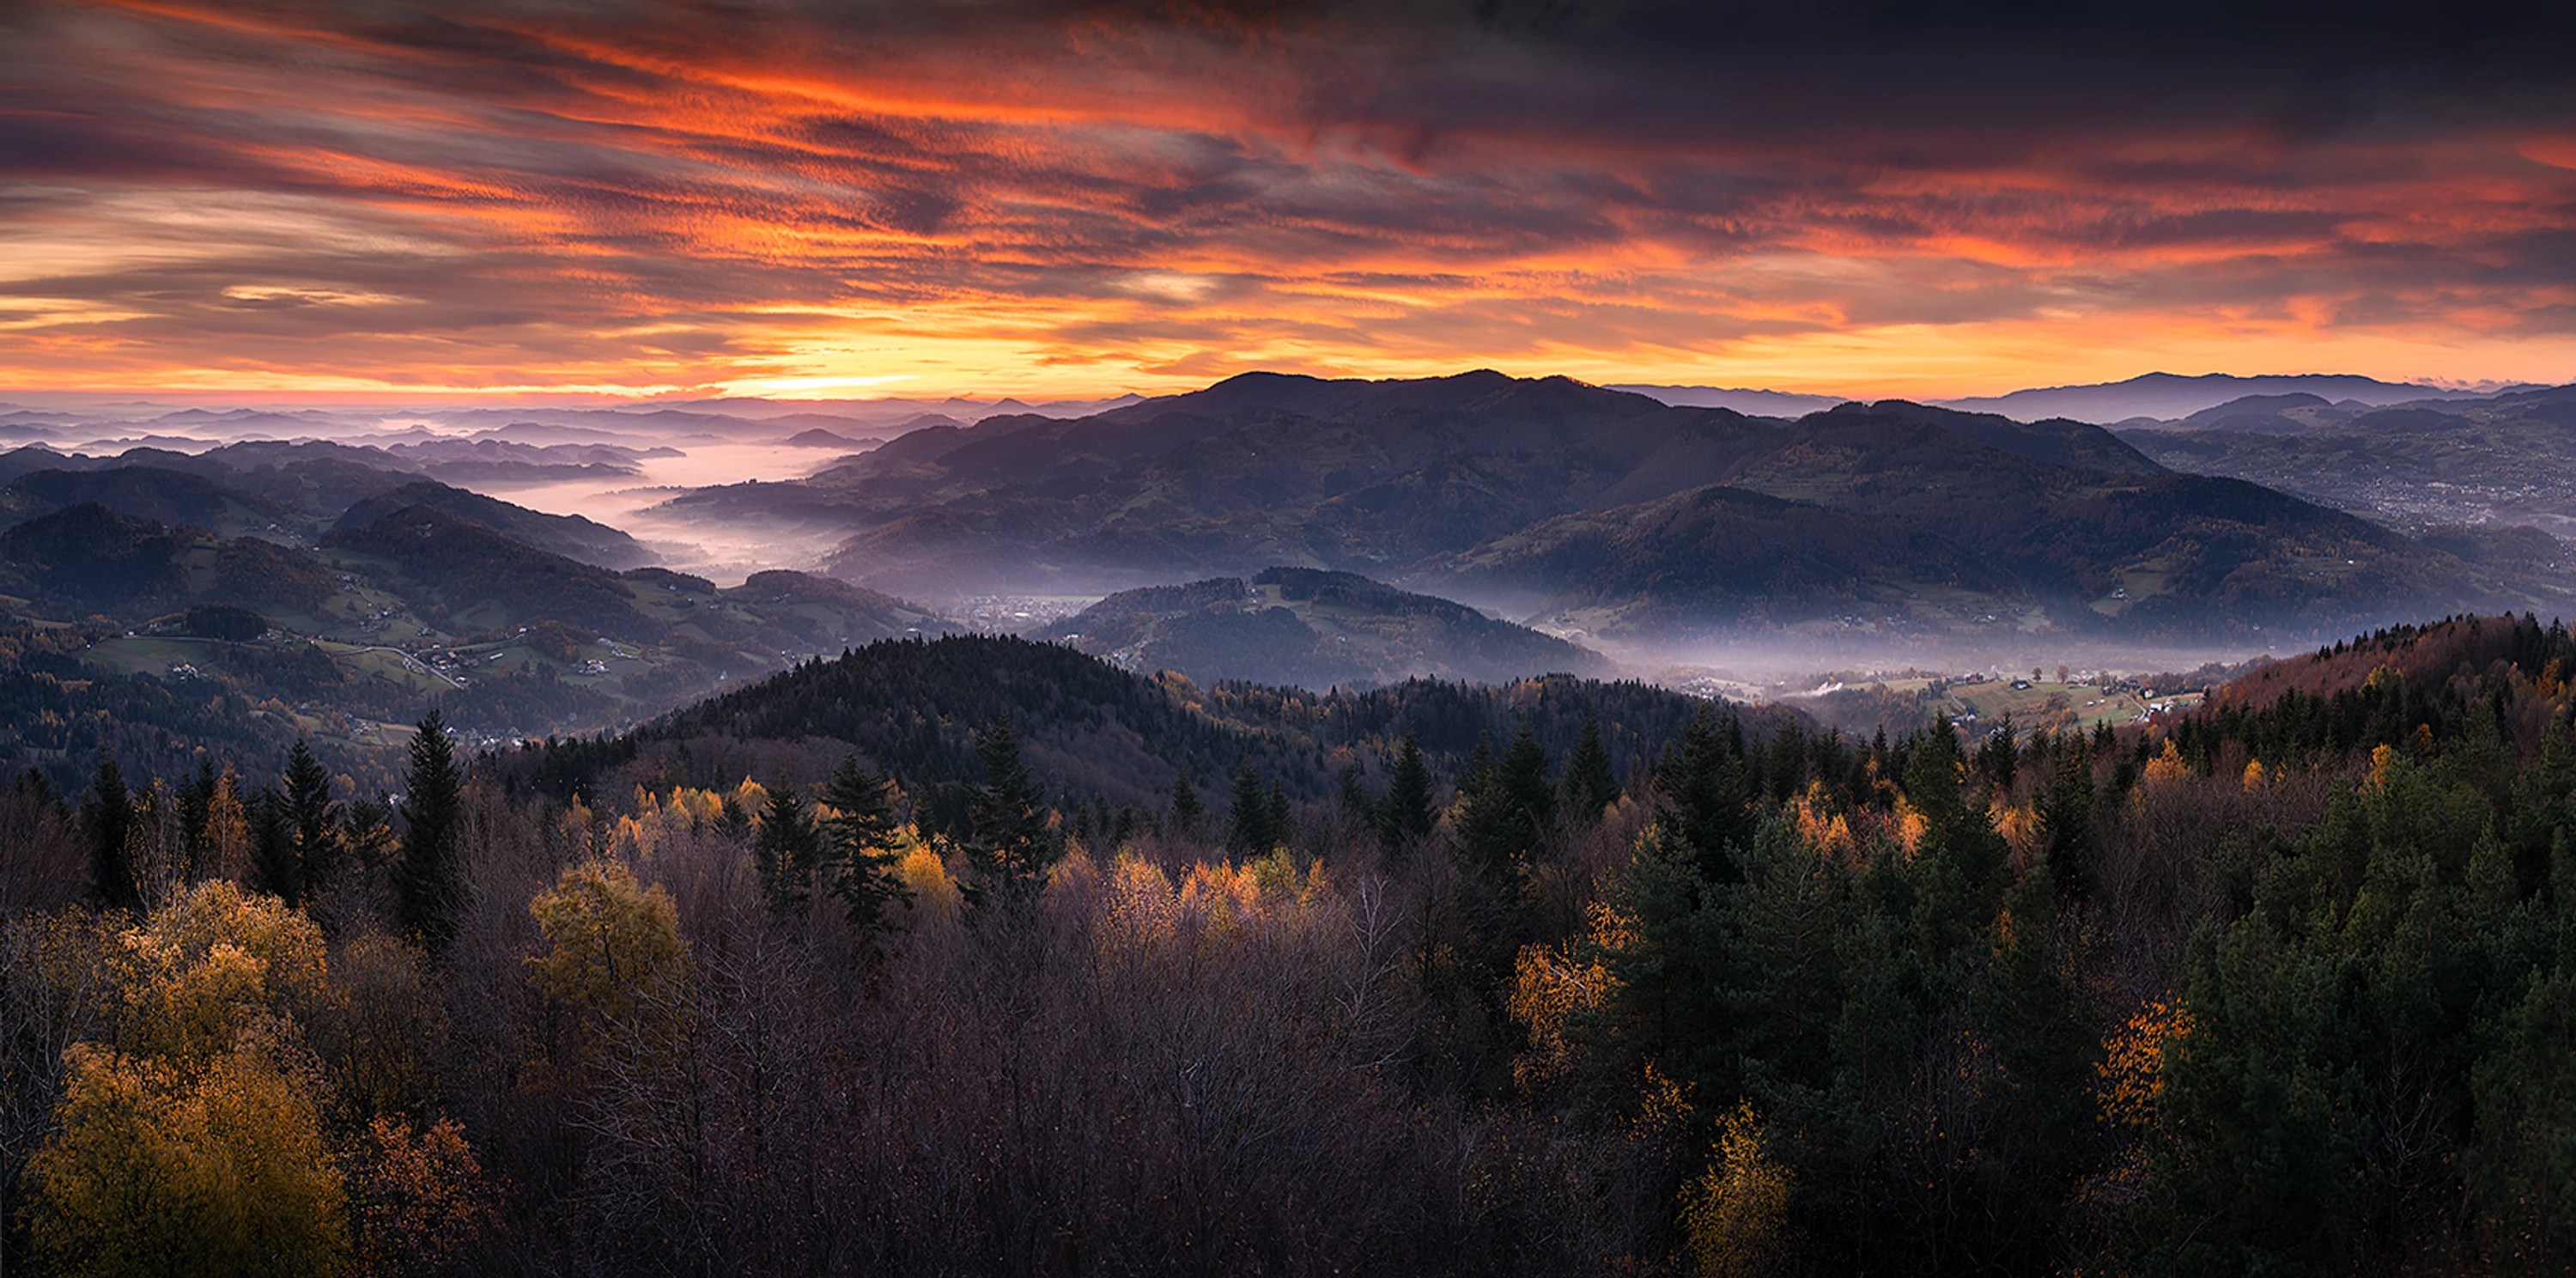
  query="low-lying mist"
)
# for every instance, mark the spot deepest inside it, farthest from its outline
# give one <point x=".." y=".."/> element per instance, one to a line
<point x="724" y="553"/>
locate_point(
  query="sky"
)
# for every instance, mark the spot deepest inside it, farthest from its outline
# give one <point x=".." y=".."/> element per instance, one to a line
<point x="1078" y="199"/>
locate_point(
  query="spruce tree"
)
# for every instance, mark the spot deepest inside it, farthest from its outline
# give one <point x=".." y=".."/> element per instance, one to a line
<point x="425" y="887"/>
<point x="196" y="801"/>
<point x="1011" y="848"/>
<point x="313" y="823"/>
<point x="1589" y="786"/>
<point x="861" y="857"/>
<point x="1707" y="810"/>
<point x="272" y="846"/>
<point x="1248" y="828"/>
<point x="787" y="850"/>
<point x="1524" y="778"/>
<point x="1187" y="811"/>
<point x="1405" y="814"/>
<point x="1282" y="821"/>
<point x="1491" y="827"/>
<point x="1355" y="798"/>
<point x="107" y="822"/>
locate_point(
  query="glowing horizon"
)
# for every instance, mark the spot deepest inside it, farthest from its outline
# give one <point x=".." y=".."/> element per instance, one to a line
<point x="510" y="200"/>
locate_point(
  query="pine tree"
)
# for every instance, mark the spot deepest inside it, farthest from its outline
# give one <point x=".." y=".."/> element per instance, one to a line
<point x="107" y="821"/>
<point x="313" y="822"/>
<point x="1355" y="798"/>
<point x="788" y="849"/>
<point x="1490" y="826"/>
<point x="1248" y="828"/>
<point x="1524" y="778"/>
<point x="1283" y="827"/>
<point x="196" y="800"/>
<point x="274" y="867"/>
<point x="1999" y="758"/>
<point x="425" y="874"/>
<point x="1405" y="814"/>
<point x="1589" y="787"/>
<point x="1187" y="811"/>
<point x="1707" y="810"/>
<point x="862" y="857"/>
<point x="1012" y="847"/>
<point x="2066" y="814"/>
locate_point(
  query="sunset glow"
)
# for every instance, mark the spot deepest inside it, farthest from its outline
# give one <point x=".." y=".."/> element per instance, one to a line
<point x="505" y="199"/>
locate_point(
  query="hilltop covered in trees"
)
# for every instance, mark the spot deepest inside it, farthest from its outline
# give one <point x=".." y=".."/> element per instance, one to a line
<point x="858" y="971"/>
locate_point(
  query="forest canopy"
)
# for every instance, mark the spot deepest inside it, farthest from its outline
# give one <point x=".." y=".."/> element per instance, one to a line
<point x="858" y="969"/>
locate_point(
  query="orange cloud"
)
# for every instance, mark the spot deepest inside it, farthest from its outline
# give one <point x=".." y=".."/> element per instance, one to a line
<point x="994" y="199"/>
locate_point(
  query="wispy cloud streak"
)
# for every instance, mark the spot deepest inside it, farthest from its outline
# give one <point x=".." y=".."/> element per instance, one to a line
<point x="1113" y="197"/>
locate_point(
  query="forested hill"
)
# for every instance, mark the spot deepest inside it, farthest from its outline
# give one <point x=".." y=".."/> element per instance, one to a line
<point x="2286" y="986"/>
<point x="913" y="707"/>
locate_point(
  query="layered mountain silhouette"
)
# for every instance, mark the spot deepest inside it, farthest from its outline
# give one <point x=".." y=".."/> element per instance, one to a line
<point x="571" y="536"/>
<point x="2464" y="474"/>
<point x="1550" y="496"/>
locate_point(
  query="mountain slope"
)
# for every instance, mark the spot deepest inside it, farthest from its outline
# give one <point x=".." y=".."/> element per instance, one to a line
<point x="2065" y="524"/>
<point x="1312" y="629"/>
<point x="1719" y="557"/>
<point x="146" y="492"/>
<point x="481" y="579"/>
<point x="571" y="536"/>
<point x="91" y="557"/>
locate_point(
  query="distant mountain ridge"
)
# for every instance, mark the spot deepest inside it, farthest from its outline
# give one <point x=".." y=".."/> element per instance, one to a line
<point x="2150" y="396"/>
<point x="2168" y="395"/>
<point x="1468" y="486"/>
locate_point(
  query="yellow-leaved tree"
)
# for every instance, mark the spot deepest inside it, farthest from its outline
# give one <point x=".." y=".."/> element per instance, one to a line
<point x="193" y="1143"/>
<point x="614" y="958"/>
<point x="1736" y="1214"/>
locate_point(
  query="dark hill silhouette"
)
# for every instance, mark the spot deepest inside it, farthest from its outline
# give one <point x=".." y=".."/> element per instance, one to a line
<point x="1718" y="556"/>
<point x="1313" y="629"/>
<point x="91" y="557"/>
<point x="571" y="536"/>
<point x="482" y="579"/>
<point x="1089" y="727"/>
<point x="148" y="492"/>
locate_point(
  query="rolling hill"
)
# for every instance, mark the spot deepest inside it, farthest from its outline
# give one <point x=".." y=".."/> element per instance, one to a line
<point x="571" y="536"/>
<point x="1307" y="628"/>
<point x="1459" y="485"/>
<point x="2431" y="467"/>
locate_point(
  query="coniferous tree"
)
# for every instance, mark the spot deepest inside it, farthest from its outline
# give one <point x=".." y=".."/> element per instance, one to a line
<point x="788" y="849"/>
<point x="196" y="801"/>
<point x="1405" y="814"/>
<point x="425" y="874"/>
<point x="1998" y="758"/>
<point x="2066" y="814"/>
<point x="1355" y="798"/>
<point x="1589" y="786"/>
<point x="1706" y="800"/>
<point x="1524" y="777"/>
<point x="862" y="857"/>
<point x="1187" y="811"/>
<point x="1490" y="826"/>
<point x="107" y="822"/>
<point x="274" y="865"/>
<point x="1282" y="821"/>
<point x="314" y="823"/>
<point x="1012" y="846"/>
<point x="1248" y="828"/>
